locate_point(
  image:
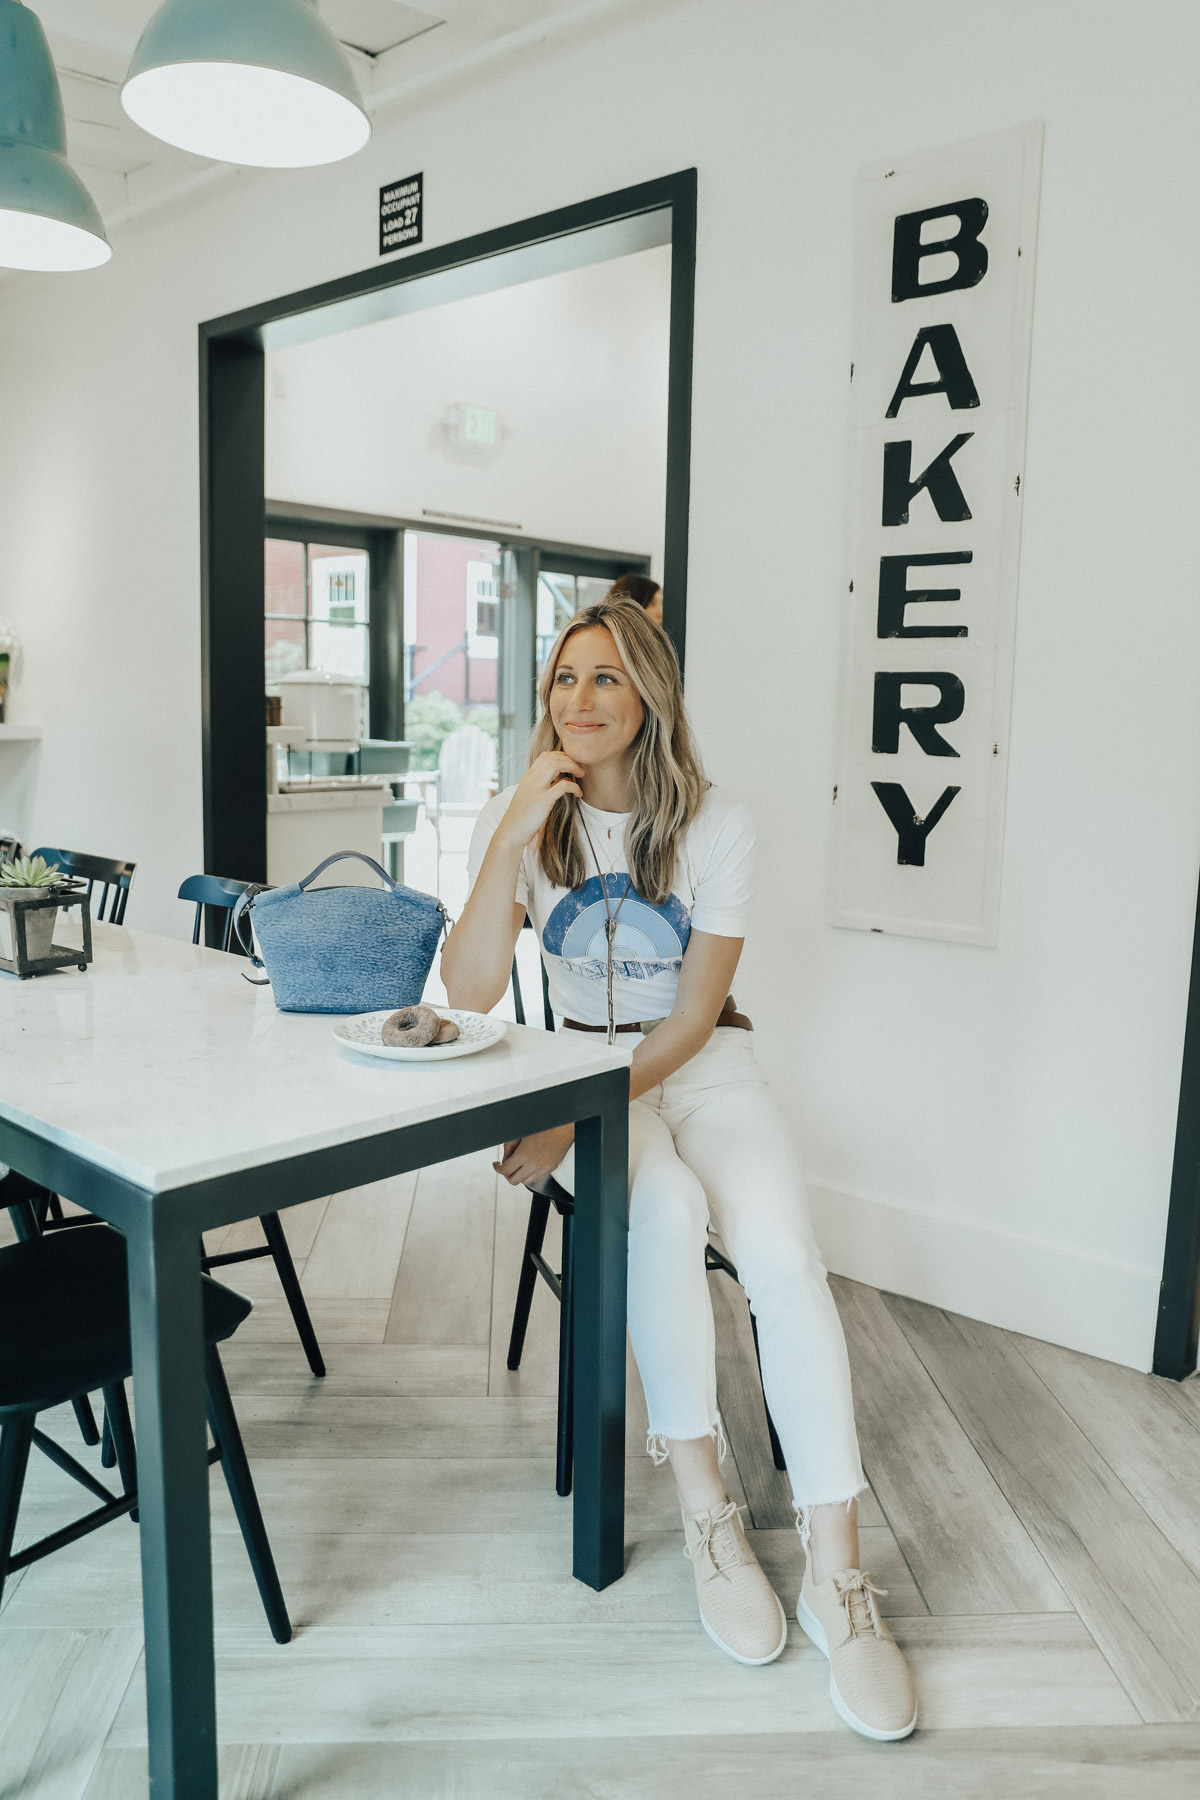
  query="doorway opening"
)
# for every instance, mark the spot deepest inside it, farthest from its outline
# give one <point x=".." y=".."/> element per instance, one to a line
<point x="341" y="589"/>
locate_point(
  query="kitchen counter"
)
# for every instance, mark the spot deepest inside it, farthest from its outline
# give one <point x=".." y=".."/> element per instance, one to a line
<point x="312" y="820"/>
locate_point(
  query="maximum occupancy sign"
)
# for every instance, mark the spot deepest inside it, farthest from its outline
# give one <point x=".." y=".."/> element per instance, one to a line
<point x="401" y="214"/>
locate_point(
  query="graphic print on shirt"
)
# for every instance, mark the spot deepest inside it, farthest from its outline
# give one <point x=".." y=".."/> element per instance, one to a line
<point x="648" y="940"/>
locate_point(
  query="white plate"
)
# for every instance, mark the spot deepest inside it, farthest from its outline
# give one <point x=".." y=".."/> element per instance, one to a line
<point x="476" y="1031"/>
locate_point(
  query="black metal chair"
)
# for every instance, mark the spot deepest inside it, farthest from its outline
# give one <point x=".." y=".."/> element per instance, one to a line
<point x="113" y="876"/>
<point x="533" y="1264"/>
<point x="218" y="892"/>
<point x="64" y="1331"/>
<point x="29" y="1204"/>
<point x="223" y="893"/>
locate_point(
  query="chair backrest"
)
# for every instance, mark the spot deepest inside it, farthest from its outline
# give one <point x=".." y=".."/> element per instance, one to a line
<point x="113" y="876"/>
<point x="213" y="890"/>
<point x="518" y="998"/>
<point x="467" y="760"/>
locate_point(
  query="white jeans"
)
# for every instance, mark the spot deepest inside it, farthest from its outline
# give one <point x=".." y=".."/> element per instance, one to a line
<point x="710" y="1143"/>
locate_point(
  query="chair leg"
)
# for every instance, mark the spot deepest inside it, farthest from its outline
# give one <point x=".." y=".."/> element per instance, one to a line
<point x="15" y="1439"/>
<point x="25" y="1220"/>
<point x="564" y="1461"/>
<point x="81" y="1406"/>
<point x="290" y="1282"/>
<point x="108" y="1450"/>
<point x="118" y="1431"/>
<point x="539" y="1214"/>
<point x="223" y="1424"/>
<point x="776" y="1447"/>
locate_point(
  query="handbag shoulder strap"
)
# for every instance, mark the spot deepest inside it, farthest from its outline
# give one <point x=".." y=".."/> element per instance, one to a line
<point x="241" y="913"/>
<point x="340" y="856"/>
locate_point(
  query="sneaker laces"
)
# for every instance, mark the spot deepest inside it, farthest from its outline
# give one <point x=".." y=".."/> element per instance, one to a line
<point x="717" y="1550"/>
<point x="858" y="1597"/>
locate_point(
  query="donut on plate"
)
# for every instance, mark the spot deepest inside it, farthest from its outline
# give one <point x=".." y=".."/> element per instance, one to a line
<point x="413" y="1027"/>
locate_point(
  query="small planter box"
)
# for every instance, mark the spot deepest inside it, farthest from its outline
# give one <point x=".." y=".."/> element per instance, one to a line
<point x="27" y="920"/>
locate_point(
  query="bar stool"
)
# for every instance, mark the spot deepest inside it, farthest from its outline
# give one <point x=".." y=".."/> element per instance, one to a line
<point x="64" y="1332"/>
<point x="551" y="1194"/>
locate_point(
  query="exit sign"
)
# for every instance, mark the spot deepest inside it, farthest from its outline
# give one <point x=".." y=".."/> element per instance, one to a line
<point x="479" y="425"/>
<point x="470" y="427"/>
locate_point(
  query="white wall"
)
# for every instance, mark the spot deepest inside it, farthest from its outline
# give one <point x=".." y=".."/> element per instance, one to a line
<point x="989" y="1129"/>
<point x="576" y="366"/>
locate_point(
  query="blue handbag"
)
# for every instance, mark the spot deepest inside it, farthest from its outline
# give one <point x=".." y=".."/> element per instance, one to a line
<point x="343" y="949"/>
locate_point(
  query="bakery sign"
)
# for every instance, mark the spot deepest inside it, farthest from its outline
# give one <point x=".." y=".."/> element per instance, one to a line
<point x="939" y="381"/>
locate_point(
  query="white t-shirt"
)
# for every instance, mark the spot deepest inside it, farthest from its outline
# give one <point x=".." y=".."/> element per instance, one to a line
<point x="711" y="892"/>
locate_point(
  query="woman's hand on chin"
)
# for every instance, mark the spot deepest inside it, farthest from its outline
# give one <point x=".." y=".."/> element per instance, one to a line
<point x="529" y="1160"/>
<point x="547" y="779"/>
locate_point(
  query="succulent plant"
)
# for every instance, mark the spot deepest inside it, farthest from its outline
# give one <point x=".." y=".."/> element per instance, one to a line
<point x="29" y="872"/>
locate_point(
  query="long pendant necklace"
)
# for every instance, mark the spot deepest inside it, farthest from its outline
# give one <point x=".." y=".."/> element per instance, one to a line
<point x="610" y="924"/>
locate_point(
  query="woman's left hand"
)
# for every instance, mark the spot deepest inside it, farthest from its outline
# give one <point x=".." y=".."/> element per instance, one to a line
<point x="528" y="1161"/>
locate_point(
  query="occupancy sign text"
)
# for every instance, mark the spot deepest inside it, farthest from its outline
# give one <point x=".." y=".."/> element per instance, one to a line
<point x="401" y="210"/>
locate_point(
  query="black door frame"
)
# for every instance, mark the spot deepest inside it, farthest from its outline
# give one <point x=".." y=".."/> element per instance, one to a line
<point x="233" y="497"/>
<point x="1178" y="1331"/>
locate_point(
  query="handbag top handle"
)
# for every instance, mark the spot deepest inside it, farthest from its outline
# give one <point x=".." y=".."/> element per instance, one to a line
<point x="339" y="856"/>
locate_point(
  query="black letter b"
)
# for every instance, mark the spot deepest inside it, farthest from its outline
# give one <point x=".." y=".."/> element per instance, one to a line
<point x="908" y="250"/>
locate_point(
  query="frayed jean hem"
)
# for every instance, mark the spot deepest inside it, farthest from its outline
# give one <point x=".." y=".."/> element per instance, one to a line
<point x="656" y="1442"/>
<point x="804" y="1510"/>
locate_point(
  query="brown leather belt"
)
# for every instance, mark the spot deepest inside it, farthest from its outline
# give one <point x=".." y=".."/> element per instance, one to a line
<point x="729" y="1016"/>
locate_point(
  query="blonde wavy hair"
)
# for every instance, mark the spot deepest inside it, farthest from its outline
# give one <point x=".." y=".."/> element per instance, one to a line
<point x="667" y="781"/>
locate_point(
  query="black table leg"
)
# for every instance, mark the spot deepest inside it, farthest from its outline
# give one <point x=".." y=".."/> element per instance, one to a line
<point x="168" y="1377"/>
<point x="598" y="1301"/>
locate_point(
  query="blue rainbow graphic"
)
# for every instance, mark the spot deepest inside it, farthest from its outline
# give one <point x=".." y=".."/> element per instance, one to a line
<point x="648" y="940"/>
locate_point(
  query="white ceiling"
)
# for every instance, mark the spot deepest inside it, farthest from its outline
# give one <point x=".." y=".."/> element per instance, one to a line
<point x="391" y="45"/>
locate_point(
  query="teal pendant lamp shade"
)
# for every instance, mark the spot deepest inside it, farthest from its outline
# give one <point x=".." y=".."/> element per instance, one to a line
<point x="263" y="83"/>
<point x="48" y="220"/>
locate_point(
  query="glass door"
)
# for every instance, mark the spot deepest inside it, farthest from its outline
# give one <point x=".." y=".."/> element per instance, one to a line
<point x="454" y="637"/>
<point x="559" y="598"/>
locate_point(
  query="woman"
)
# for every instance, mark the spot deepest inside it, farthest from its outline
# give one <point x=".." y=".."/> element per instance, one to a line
<point x="642" y="590"/>
<point x="636" y="874"/>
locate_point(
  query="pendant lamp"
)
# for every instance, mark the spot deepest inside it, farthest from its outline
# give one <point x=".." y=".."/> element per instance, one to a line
<point x="48" y="220"/>
<point x="263" y="83"/>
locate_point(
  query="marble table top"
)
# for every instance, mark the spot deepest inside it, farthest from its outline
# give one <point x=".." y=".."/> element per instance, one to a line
<point x="162" y="1065"/>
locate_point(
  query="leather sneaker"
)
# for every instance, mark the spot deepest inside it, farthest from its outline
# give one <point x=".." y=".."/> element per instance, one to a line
<point x="869" y="1681"/>
<point x="739" y="1608"/>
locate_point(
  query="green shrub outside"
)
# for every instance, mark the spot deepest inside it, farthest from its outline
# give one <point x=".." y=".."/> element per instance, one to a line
<point x="429" y="718"/>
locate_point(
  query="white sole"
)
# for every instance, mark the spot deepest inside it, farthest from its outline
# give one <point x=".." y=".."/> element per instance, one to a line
<point x="752" y="1662"/>
<point x="812" y="1628"/>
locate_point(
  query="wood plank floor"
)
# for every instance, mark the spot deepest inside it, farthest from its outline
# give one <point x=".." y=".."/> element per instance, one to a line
<point x="1034" y="1515"/>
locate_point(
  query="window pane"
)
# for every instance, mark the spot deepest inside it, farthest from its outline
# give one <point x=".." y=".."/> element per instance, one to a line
<point x="284" y="577"/>
<point x="285" y="649"/>
<point x="590" y="590"/>
<point x="556" y="603"/>
<point x="451" y="639"/>
<point x="339" y="583"/>
<point x="338" y="649"/>
<point x="483" y="610"/>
